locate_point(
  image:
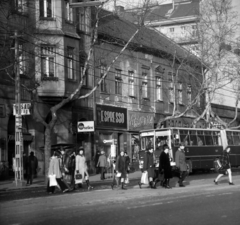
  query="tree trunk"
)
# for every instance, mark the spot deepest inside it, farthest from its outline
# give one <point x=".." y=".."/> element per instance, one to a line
<point x="47" y="151"/>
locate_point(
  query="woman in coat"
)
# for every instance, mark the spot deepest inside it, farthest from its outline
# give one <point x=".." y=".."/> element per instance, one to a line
<point x="149" y="167"/>
<point x="81" y="167"/>
<point x="121" y="167"/>
<point x="166" y="166"/>
<point x="54" y="169"/>
<point x="226" y="167"/>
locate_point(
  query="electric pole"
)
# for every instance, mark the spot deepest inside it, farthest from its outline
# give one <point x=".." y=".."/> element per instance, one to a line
<point x="18" y="117"/>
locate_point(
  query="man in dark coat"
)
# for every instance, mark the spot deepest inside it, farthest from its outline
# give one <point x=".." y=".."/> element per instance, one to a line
<point x="166" y="166"/>
<point x="31" y="167"/>
<point x="181" y="164"/>
<point x="96" y="161"/>
<point x="121" y="167"/>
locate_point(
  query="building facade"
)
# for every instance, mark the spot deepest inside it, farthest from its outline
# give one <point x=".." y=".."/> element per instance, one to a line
<point x="135" y="94"/>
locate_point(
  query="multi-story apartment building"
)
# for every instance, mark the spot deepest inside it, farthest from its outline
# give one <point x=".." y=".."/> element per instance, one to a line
<point x="178" y="20"/>
<point x="137" y="91"/>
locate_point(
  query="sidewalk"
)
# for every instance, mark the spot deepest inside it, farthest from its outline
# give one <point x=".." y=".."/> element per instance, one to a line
<point x="10" y="185"/>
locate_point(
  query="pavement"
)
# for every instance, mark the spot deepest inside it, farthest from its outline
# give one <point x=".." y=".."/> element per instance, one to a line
<point x="11" y="185"/>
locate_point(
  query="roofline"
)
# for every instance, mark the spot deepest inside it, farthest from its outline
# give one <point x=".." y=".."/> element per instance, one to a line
<point x="174" y="21"/>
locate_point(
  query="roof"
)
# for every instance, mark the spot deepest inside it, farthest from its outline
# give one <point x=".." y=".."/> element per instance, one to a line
<point x="114" y="27"/>
<point x="189" y="8"/>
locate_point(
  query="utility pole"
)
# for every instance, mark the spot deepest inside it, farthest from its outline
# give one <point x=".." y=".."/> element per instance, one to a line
<point x="18" y="117"/>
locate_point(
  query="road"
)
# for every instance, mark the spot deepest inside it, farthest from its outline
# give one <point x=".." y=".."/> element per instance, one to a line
<point x="201" y="202"/>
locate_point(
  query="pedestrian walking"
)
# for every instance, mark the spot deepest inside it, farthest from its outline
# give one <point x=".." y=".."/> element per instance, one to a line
<point x="166" y="166"/>
<point x="181" y="164"/>
<point x="54" y="169"/>
<point x="71" y="168"/>
<point x="98" y="154"/>
<point x="31" y="166"/>
<point x="128" y="167"/>
<point x="149" y="167"/>
<point x="115" y="178"/>
<point x="81" y="168"/>
<point x="102" y="163"/>
<point x="225" y="167"/>
<point x="121" y="168"/>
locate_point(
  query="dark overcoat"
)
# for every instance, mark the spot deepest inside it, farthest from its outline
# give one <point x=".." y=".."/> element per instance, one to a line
<point x="165" y="165"/>
<point x="121" y="166"/>
<point x="225" y="161"/>
<point x="148" y="164"/>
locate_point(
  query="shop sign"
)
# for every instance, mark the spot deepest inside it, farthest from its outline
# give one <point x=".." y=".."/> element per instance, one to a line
<point x="141" y="121"/>
<point x="25" y="109"/>
<point x="109" y="116"/>
<point x="85" y="126"/>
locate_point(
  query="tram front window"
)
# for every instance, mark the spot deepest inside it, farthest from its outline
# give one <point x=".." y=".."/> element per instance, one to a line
<point x="146" y="142"/>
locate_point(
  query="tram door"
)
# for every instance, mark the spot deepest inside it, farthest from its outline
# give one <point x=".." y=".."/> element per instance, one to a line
<point x="163" y="137"/>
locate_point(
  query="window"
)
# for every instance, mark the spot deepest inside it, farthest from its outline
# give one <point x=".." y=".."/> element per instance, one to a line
<point x="171" y="29"/>
<point x="183" y="29"/>
<point x="144" y="83"/>
<point x="46" y="8"/>
<point x="208" y="137"/>
<point x="48" y="61"/>
<point x="180" y="98"/>
<point x="194" y="30"/>
<point x="118" y="82"/>
<point x="198" y="101"/>
<point x="159" y="89"/>
<point x="68" y="11"/>
<point x="21" y="59"/>
<point x="189" y="94"/>
<point x="131" y="83"/>
<point x="84" y="20"/>
<point x="70" y="64"/>
<point x="170" y="90"/>
<point x="20" y="5"/>
<point x="103" y="86"/>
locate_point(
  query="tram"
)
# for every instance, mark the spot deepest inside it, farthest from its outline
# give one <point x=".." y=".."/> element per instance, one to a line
<point x="202" y="146"/>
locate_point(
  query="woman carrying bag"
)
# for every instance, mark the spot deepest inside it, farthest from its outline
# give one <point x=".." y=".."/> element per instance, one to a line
<point x="226" y="167"/>
<point x="149" y="167"/>
<point x="121" y="169"/>
<point x="55" y="174"/>
<point x="81" y="172"/>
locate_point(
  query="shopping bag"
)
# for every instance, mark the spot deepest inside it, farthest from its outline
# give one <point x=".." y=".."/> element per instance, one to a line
<point x="52" y="180"/>
<point x="144" y="178"/>
<point x="119" y="174"/>
<point x="126" y="180"/>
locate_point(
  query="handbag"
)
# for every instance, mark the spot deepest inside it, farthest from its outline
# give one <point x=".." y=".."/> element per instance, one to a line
<point x="52" y="180"/>
<point x="144" y="178"/>
<point x="78" y="176"/>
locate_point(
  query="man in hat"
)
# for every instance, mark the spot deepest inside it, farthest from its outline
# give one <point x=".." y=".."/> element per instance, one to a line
<point x="102" y="163"/>
<point x="181" y="164"/>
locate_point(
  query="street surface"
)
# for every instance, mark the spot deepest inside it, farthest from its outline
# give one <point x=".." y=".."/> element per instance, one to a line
<point x="200" y="202"/>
